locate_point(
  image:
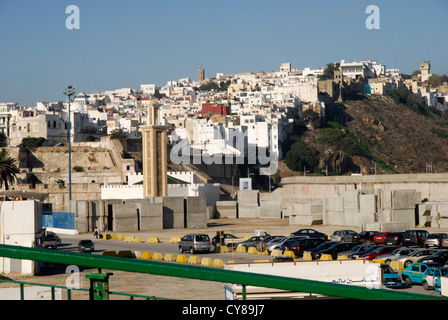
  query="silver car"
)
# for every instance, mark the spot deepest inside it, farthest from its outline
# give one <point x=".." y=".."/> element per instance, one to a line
<point x="397" y="254"/>
<point x="435" y="240"/>
<point x="414" y="256"/>
<point x="345" y="236"/>
<point x="195" y="243"/>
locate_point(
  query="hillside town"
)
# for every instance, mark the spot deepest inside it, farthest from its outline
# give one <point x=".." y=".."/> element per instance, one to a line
<point x="226" y="115"/>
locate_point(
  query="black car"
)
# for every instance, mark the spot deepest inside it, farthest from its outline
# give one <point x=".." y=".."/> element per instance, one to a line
<point x="86" y="246"/>
<point x="310" y="233"/>
<point x="302" y="245"/>
<point x="322" y="246"/>
<point x="361" y="253"/>
<point x="335" y="249"/>
<point x="415" y="238"/>
<point x="440" y="257"/>
<point x="395" y="239"/>
<point x="366" y="237"/>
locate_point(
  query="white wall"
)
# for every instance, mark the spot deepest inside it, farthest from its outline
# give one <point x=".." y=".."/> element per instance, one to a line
<point x="21" y="225"/>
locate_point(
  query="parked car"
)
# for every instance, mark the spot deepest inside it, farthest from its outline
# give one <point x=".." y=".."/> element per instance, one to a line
<point x="415" y="273"/>
<point x="301" y="245"/>
<point x="415" y="256"/>
<point x="355" y="249"/>
<point x="435" y="240"/>
<point x="322" y="246"/>
<point x="440" y="257"/>
<point x="438" y="285"/>
<point x="391" y="279"/>
<point x="226" y="239"/>
<point x="335" y="249"/>
<point x="195" y="242"/>
<point x="380" y="237"/>
<point x="58" y="239"/>
<point x="251" y="242"/>
<point x="378" y="252"/>
<point x="415" y="237"/>
<point x="310" y="233"/>
<point x="86" y="246"/>
<point x="345" y="236"/>
<point x="366" y="237"/>
<point x="361" y="253"/>
<point x="287" y="244"/>
<point x="397" y="254"/>
<point x="277" y="244"/>
<point x="50" y="241"/>
<point x="394" y="239"/>
<point x="432" y="275"/>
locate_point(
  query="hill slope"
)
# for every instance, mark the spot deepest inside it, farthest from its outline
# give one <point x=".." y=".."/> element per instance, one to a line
<point x="387" y="138"/>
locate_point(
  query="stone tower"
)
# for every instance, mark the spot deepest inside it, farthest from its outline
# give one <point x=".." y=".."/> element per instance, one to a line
<point x="155" y="158"/>
<point x="201" y="75"/>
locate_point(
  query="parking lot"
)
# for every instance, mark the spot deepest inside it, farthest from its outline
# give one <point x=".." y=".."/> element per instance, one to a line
<point x="244" y="228"/>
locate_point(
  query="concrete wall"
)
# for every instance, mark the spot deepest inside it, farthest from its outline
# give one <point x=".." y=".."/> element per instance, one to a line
<point x="140" y="214"/>
<point x="227" y="209"/>
<point x="20" y="225"/>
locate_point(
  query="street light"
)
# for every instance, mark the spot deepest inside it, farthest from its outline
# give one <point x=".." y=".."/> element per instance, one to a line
<point x="69" y="92"/>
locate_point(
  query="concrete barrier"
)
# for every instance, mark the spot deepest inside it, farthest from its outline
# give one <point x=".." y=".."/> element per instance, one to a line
<point x="218" y="263"/>
<point x="147" y="255"/>
<point x="206" y="262"/>
<point x="137" y="254"/>
<point x="326" y="257"/>
<point x="107" y="236"/>
<point x="128" y="239"/>
<point x="169" y="257"/>
<point x="114" y="236"/>
<point x="264" y="253"/>
<point x="261" y="261"/>
<point x="223" y="249"/>
<point x="230" y="261"/>
<point x="252" y="250"/>
<point x="289" y="253"/>
<point x="378" y="260"/>
<point x="157" y="256"/>
<point x="126" y="254"/>
<point x="276" y="253"/>
<point x="120" y="237"/>
<point x="181" y="258"/>
<point x="194" y="260"/>
<point x="110" y="253"/>
<point x="174" y="239"/>
<point x="396" y="265"/>
<point x="241" y="249"/>
<point x="153" y="240"/>
<point x="137" y="240"/>
<point x="307" y="256"/>
<point x="344" y="257"/>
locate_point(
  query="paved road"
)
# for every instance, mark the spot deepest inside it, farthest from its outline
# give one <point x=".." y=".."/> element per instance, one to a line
<point x="177" y="288"/>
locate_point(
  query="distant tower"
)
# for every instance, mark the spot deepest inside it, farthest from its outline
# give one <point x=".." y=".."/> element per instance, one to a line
<point x="155" y="160"/>
<point x="201" y="75"/>
<point x="425" y="69"/>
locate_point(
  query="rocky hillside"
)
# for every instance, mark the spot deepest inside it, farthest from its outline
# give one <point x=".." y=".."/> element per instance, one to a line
<point x="375" y="134"/>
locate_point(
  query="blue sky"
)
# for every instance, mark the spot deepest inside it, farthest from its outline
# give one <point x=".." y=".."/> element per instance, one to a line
<point x="128" y="43"/>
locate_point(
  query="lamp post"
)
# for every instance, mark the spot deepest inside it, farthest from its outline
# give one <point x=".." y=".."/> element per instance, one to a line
<point x="69" y="92"/>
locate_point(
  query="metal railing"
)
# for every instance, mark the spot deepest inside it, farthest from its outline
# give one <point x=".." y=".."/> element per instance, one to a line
<point x="207" y="274"/>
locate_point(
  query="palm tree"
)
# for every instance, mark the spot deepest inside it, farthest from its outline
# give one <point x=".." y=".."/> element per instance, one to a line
<point x="8" y="169"/>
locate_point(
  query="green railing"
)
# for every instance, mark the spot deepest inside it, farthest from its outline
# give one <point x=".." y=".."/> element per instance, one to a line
<point x="206" y="273"/>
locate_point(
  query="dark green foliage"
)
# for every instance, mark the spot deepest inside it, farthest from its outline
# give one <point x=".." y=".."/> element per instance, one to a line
<point x="340" y="140"/>
<point x="301" y="156"/>
<point x="32" y="143"/>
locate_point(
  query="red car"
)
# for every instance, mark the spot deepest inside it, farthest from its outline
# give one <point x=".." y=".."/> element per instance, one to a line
<point x="378" y="252"/>
<point x="380" y="237"/>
